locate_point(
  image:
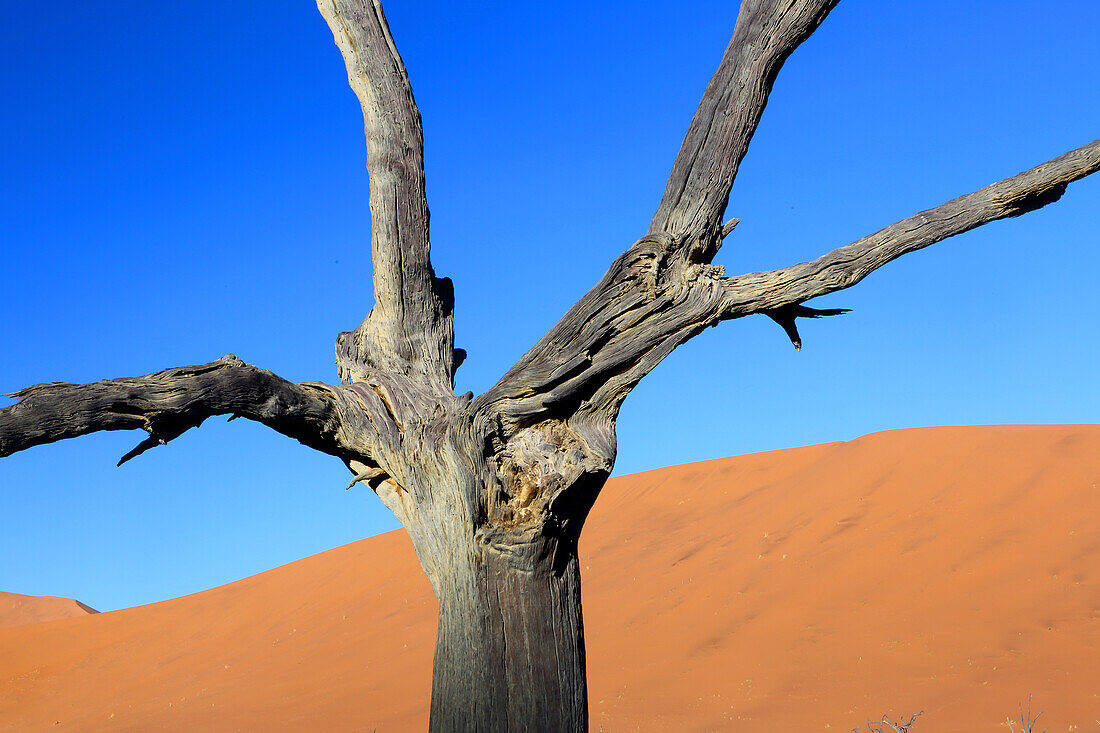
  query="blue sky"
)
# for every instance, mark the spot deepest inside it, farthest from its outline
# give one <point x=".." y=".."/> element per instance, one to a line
<point x="186" y="180"/>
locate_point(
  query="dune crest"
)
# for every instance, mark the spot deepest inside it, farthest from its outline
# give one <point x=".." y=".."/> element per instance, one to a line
<point x="17" y="609"/>
<point x="950" y="570"/>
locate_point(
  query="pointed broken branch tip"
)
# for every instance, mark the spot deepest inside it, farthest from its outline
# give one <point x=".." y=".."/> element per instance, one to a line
<point x="785" y="317"/>
<point x="150" y="442"/>
<point x="365" y="477"/>
<point x="729" y="226"/>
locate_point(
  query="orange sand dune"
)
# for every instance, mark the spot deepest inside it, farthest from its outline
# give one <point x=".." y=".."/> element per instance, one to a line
<point x="16" y="609"/>
<point x="954" y="570"/>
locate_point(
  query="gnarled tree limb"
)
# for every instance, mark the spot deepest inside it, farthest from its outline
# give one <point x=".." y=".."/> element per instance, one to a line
<point x="645" y="305"/>
<point x="410" y="331"/>
<point x="844" y="267"/>
<point x="591" y="358"/>
<point x="168" y="403"/>
<point x="662" y="291"/>
<point x="767" y="32"/>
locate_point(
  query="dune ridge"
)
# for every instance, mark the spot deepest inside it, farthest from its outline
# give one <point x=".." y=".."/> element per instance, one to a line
<point x="949" y="570"/>
<point x="17" y="609"/>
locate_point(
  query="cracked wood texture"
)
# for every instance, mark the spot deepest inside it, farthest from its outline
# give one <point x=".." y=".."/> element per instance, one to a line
<point x="172" y="401"/>
<point x="846" y="266"/>
<point x="494" y="490"/>
<point x="697" y="190"/>
<point x="411" y="327"/>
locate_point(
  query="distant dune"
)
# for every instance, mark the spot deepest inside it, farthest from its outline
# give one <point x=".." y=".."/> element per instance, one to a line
<point x="950" y="570"/>
<point x="16" y="610"/>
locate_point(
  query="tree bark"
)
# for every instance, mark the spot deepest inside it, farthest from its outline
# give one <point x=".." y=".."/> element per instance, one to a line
<point x="761" y="292"/>
<point x="170" y="402"/>
<point x="410" y="330"/>
<point x="766" y="34"/>
<point x="509" y="652"/>
<point x="496" y="532"/>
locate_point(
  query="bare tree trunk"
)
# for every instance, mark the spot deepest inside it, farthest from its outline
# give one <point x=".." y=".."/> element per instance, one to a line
<point x="496" y="532"/>
<point x="509" y="652"/>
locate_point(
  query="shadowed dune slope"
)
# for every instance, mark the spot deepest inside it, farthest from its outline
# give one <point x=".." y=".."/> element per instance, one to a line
<point x="16" y="609"/>
<point x="950" y="570"/>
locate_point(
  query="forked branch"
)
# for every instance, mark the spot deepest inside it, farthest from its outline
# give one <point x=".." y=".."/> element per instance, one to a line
<point x="168" y="403"/>
<point x="646" y="304"/>
<point x="662" y="291"/>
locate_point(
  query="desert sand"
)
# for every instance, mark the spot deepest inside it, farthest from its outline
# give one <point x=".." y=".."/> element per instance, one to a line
<point x="950" y="570"/>
<point x="16" y="609"/>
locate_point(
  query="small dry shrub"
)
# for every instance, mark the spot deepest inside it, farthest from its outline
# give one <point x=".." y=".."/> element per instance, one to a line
<point x="885" y="725"/>
<point x="1027" y="725"/>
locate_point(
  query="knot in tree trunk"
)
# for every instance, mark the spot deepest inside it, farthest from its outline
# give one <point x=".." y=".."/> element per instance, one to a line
<point x="548" y="478"/>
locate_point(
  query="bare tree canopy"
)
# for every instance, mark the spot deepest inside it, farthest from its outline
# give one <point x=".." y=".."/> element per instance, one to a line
<point x="494" y="489"/>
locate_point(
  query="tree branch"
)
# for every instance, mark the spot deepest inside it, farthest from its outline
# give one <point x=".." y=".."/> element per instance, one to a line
<point x="589" y="361"/>
<point x="410" y="331"/>
<point x="844" y="267"/>
<point x="661" y="292"/>
<point x="645" y="306"/>
<point x="695" y="197"/>
<point x="168" y="403"/>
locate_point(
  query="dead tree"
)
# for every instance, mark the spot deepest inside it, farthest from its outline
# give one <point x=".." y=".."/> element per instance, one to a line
<point x="494" y="489"/>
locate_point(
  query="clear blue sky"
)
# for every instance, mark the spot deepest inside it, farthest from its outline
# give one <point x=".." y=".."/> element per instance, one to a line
<point x="185" y="180"/>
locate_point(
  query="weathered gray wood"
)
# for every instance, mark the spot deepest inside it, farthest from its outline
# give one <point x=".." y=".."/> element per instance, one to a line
<point x="510" y="643"/>
<point x="844" y="267"/>
<point x="410" y="331"/>
<point x="170" y="402"/>
<point x="695" y="197"/>
<point x="662" y="291"/>
<point x="494" y="491"/>
<point x="650" y="301"/>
